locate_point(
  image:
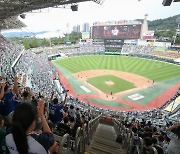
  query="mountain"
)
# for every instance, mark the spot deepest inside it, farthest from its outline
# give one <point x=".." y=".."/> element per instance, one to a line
<point x="41" y="34"/>
<point x="22" y="34"/>
<point x="163" y="24"/>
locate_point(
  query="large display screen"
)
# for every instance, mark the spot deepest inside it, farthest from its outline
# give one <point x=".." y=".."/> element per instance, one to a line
<point x="113" y="46"/>
<point x="116" y="32"/>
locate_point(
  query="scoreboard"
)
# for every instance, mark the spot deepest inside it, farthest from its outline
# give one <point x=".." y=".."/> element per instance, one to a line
<point x="113" y="46"/>
<point x="116" y="31"/>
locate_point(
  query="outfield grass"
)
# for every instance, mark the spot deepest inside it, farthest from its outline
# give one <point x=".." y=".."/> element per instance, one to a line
<point x="118" y="86"/>
<point x="154" y="70"/>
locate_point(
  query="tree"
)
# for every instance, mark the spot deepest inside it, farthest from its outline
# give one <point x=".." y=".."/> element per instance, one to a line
<point x="45" y="43"/>
<point x="26" y="44"/>
<point x="34" y="43"/>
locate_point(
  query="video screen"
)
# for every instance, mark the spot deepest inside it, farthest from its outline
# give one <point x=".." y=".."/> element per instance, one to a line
<point x="116" y="32"/>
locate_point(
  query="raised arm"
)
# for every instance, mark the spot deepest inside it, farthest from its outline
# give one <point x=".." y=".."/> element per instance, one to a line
<point x="15" y="87"/>
<point x="40" y="109"/>
<point x="64" y="102"/>
<point x="2" y="90"/>
<point x="172" y="127"/>
<point x="52" y="95"/>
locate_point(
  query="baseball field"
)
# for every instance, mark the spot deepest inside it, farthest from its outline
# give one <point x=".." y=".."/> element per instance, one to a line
<point x="119" y="82"/>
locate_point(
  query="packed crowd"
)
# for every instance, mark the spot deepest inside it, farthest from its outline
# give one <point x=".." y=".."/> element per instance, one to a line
<point x="84" y="49"/>
<point x="31" y="109"/>
<point x="148" y="138"/>
<point x="171" y="55"/>
<point x="137" y="49"/>
<point x="21" y="106"/>
<point x="8" y="54"/>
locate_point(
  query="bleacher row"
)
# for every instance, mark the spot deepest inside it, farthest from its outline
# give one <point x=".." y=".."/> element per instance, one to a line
<point x="149" y="53"/>
<point x="79" y="117"/>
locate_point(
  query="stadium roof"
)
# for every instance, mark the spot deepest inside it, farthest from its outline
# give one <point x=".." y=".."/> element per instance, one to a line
<point x="11" y="23"/>
<point x="10" y="9"/>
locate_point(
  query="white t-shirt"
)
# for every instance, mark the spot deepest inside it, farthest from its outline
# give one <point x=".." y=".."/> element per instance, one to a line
<point x="34" y="146"/>
<point x="72" y="113"/>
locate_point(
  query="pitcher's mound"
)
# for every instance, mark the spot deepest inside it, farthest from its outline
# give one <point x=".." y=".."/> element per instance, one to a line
<point x="110" y="83"/>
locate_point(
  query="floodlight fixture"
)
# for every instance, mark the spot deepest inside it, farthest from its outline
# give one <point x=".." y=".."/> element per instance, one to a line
<point x="22" y="16"/>
<point x="74" y="7"/>
<point x="99" y="1"/>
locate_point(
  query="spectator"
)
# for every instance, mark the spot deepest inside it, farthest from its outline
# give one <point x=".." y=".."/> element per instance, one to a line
<point x="72" y="111"/>
<point x="83" y="121"/>
<point x="63" y="128"/>
<point x="26" y="95"/>
<point x="65" y="113"/>
<point x="158" y="147"/>
<point x="55" y="113"/>
<point x="8" y="104"/>
<point x="147" y="146"/>
<point x="161" y="140"/>
<point x="21" y="138"/>
<point x="174" y="145"/>
<point x="77" y="112"/>
<point x="3" y="147"/>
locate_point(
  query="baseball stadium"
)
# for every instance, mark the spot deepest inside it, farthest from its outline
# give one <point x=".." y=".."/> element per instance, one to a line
<point x="112" y="88"/>
<point x="120" y="78"/>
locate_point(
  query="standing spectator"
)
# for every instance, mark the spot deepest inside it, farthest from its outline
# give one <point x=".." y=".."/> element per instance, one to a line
<point x="147" y="146"/>
<point x="72" y="111"/>
<point x="22" y="139"/>
<point x="77" y="112"/>
<point x="55" y="113"/>
<point x="174" y="145"/>
<point x="63" y="128"/>
<point x="8" y="104"/>
<point x="158" y="147"/>
<point x="26" y="95"/>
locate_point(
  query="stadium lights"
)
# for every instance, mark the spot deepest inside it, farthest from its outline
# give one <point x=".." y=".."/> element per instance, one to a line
<point x="74" y="7"/>
<point x="168" y="2"/>
<point x="22" y="16"/>
<point x="99" y="1"/>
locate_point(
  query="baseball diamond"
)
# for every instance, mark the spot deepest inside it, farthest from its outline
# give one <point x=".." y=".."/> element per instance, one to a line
<point x="119" y="82"/>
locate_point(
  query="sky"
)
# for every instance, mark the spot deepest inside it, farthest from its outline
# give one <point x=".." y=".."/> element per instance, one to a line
<point x="57" y="18"/>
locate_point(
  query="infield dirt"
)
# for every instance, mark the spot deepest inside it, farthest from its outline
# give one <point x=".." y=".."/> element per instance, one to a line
<point x="139" y="81"/>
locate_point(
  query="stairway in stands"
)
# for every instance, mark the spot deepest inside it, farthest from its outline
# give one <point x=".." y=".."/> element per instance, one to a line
<point x="104" y="141"/>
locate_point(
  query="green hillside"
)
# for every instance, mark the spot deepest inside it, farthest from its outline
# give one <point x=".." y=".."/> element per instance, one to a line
<point x="163" y="24"/>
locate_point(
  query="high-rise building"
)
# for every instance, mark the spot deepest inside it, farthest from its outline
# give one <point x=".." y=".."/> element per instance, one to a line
<point x="85" y="27"/>
<point x="76" y="28"/>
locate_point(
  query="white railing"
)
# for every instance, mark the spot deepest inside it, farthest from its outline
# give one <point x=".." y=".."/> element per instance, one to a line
<point x="92" y="125"/>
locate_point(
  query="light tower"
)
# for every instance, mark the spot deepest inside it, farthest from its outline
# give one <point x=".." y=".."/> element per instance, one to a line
<point x="144" y="27"/>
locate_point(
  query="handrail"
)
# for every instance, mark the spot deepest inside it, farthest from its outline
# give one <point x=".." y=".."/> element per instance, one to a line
<point x="92" y="125"/>
<point x="83" y="139"/>
<point x="62" y="150"/>
<point x="77" y="139"/>
<point x="117" y="126"/>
